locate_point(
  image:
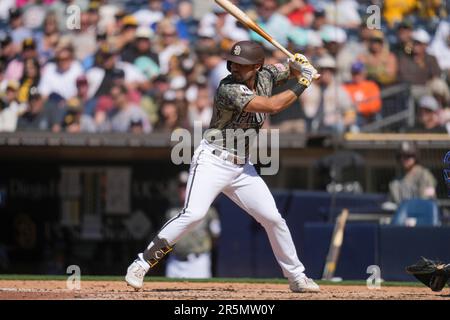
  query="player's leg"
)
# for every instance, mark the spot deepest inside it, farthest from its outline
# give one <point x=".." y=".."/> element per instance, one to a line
<point x="251" y="193"/>
<point x="207" y="178"/>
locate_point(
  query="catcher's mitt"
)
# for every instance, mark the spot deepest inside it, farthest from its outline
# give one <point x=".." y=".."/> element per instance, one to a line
<point x="434" y="274"/>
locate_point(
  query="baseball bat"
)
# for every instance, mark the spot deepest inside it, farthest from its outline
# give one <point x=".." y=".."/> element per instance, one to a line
<point x="249" y="23"/>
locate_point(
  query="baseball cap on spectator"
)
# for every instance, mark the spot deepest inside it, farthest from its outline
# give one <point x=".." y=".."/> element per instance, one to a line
<point x="28" y="43"/>
<point x="118" y="74"/>
<point x="12" y="85"/>
<point x="144" y="33"/>
<point x="206" y="32"/>
<point x="136" y="122"/>
<point x="326" y="62"/>
<point x="120" y="14"/>
<point x="405" y="24"/>
<point x="168" y="6"/>
<point x="178" y="82"/>
<point x="34" y="94"/>
<point x="14" y="13"/>
<point x="170" y="95"/>
<point x="218" y="10"/>
<point x="81" y="80"/>
<point x="129" y="22"/>
<point x="429" y="102"/>
<point x="5" y="41"/>
<point x="421" y="36"/>
<point x="333" y="34"/>
<point x="319" y="11"/>
<point x="357" y="67"/>
<point x="377" y="35"/>
<point x="74" y="104"/>
<point x="94" y="6"/>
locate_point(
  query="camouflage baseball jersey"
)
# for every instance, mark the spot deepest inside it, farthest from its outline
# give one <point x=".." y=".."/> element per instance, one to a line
<point x="232" y="128"/>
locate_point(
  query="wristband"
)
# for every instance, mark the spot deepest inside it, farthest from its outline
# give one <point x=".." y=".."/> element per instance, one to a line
<point x="298" y="88"/>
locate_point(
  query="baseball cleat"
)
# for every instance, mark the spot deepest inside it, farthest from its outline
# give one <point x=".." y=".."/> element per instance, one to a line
<point x="303" y="284"/>
<point x="136" y="273"/>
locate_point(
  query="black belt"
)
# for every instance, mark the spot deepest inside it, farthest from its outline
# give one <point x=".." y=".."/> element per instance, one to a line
<point x="230" y="157"/>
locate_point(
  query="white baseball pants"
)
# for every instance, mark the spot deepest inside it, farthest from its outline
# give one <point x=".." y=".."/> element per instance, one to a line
<point x="208" y="176"/>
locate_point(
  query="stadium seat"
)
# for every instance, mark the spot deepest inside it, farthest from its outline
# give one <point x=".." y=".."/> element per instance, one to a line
<point x="426" y="213"/>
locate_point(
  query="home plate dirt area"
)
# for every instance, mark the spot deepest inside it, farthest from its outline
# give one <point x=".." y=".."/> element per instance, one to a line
<point x="192" y="290"/>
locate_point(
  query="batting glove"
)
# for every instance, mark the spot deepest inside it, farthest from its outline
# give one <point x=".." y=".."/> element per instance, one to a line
<point x="308" y="72"/>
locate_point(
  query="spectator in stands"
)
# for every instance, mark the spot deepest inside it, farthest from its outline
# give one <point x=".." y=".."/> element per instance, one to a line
<point x="75" y="120"/>
<point x="171" y="44"/>
<point x="343" y="13"/>
<point x="8" y="50"/>
<point x="222" y="28"/>
<point x="83" y="96"/>
<point x="440" y="47"/>
<point x="47" y="40"/>
<point x="276" y="24"/>
<point x="327" y="105"/>
<point x="404" y="39"/>
<point x="299" y="12"/>
<point x="381" y="64"/>
<point x="334" y="39"/>
<point x="142" y="55"/>
<point x="10" y="107"/>
<point x="127" y="38"/>
<point x="15" y="68"/>
<point x="216" y="66"/>
<point x="36" y="118"/>
<point x="169" y="119"/>
<point x="419" y="68"/>
<point x="186" y="25"/>
<point x="429" y="116"/>
<point x="365" y="95"/>
<point x="415" y="181"/>
<point x="201" y="110"/>
<point x="18" y="31"/>
<point x="124" y="112"/>
<point x="60" y="77"/>
<point x="150" y="15"/>
<point x="30" y="78"/>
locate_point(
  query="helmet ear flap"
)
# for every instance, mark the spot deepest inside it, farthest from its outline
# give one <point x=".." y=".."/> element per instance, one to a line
<point x="229" y="66"/>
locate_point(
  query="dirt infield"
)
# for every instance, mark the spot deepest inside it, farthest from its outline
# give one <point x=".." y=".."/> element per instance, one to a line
<point x="183" y="290"/>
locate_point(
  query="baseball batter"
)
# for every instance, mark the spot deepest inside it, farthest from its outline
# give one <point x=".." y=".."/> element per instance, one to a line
<point x="221" y="162"/>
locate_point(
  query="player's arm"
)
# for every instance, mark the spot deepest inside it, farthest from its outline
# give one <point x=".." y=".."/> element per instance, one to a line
<point x="305" y="72"/>
<point x="276" y="103"/>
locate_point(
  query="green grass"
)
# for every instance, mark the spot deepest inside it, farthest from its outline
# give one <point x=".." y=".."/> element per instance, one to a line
<point x="229" y="280"/>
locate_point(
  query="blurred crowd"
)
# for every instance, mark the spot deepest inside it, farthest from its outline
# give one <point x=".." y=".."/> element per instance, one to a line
<point x="146" y="66"/>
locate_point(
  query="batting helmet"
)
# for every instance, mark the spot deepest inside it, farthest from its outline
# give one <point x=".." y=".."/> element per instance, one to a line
<point x="245" y="52"/>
